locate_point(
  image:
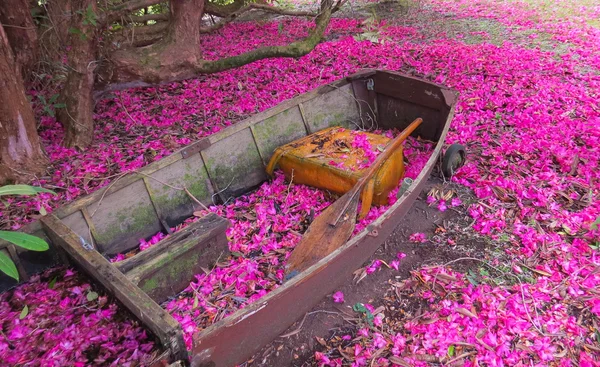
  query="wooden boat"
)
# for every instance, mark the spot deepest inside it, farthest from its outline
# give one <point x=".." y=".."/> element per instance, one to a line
<point x="225" y="165"/>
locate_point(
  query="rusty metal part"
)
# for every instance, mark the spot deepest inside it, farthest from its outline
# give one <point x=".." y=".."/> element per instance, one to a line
<point x="335" y="225"/>
<point x="327" y="160"/>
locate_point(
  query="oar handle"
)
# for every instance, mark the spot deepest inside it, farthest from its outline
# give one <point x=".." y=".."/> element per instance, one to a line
<point x="390" y="148"/>
<point x="381" y="158"/>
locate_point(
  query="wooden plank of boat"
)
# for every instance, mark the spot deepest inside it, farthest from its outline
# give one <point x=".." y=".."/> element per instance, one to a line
<point x="166" y="268"/>
<point x="159" y="321"/>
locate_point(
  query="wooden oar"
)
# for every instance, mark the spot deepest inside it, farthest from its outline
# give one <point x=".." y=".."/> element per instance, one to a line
<point x="334" y="226"/>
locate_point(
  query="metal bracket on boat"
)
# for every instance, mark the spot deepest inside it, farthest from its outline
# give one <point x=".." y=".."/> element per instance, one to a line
<point x="370" y="84"/>
<point x="85" y="244"/>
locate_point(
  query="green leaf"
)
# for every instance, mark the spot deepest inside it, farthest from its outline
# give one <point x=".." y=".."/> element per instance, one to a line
<point x="72" y="31"/>
<point x="92" y="296"/>
<point x="359" y="307"/>
<point x="24" y="240"/>
<point x="472" y="277"/>
<point x="53" y="98"/>
<point x="49" y="111"/>
<point x="60" y="105"/>
<point x="451" y="351"/>
<point x="52" y="283"/>
<point x="90" y="15"/>
<point x="22" y="190"/>
<point x="7" y="266"/>
<point x="370" y="317"/>
<point x="195" y="303"/>
<point x="237" y="254"/>
<point x="24" y="313"/>
<point x="43" y="211"/>
<point x="596" y="223"/>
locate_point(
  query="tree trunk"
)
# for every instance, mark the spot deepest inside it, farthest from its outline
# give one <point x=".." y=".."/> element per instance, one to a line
<point x="15" y="16"/>
<point x="59" y="16"/>
<point x="172" y="58"/>
<point x="77" y="117"/>
<point x="177" y="56"/>
<point x="184" y="29"/>
<point x="21" y="156"/>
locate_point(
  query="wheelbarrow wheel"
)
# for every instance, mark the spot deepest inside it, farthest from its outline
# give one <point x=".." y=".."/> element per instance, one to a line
<point x="454" y="158"/>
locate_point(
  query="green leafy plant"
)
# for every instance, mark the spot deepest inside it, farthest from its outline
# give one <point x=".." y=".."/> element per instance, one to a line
<point x="24" y="240"/>
<point x="359" y="307"/>
<point x="50" y="105"/>
<point x="372" y="33"/>
<point x="89" y="16"/>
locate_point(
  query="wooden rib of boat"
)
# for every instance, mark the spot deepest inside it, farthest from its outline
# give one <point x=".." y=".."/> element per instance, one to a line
<point x="224" y="165"/>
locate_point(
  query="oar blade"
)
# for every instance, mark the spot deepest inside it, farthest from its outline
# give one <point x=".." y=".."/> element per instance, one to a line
<point x="322" y="238"/>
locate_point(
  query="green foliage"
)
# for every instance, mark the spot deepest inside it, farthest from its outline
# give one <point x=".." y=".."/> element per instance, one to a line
<point x="24" y="312"/>
<point x="52" y="283"/>
<point x="24" y="240"/>
<point x="91" y="296"/>
<point x="77" y="32"/>
<point x="359" y="307"/>
<point x="49" y="106"/>
<point x="372" y="33"/>
<point x="451" y="351"/>
<point x="596" y="223"/>
<point x="7" y="266"/>
<point x="22" y="190"/>
<point x="89" y="16"/>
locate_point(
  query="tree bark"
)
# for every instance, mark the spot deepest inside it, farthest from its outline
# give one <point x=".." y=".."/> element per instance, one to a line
<point x="15" y="16"/>
<point x="77" y="116"/>
<point x="21" y="156"/>
<point x="59" y="12"/>
<point x="223" y="11"/>
<point x="184" y="27"/>
<point x="177" y="56"/>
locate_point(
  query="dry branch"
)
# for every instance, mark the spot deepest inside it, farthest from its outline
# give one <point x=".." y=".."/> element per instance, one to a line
<point x="144" y="18"/>
<point x="271" y="9"/>
<point x="123" y="11"/>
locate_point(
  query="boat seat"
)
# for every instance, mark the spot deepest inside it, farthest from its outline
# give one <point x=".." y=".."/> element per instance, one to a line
<point x="165" y="269"/>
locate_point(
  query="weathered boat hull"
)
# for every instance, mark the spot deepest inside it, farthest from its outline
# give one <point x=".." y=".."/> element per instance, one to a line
<point x="226" y="165"/>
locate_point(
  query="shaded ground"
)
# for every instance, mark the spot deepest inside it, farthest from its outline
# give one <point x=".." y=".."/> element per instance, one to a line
<point x="327" y="319"/>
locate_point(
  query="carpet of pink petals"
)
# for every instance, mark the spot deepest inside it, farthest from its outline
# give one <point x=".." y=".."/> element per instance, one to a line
<point x="530" y="119"/>
<point x="67" y="324"/>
